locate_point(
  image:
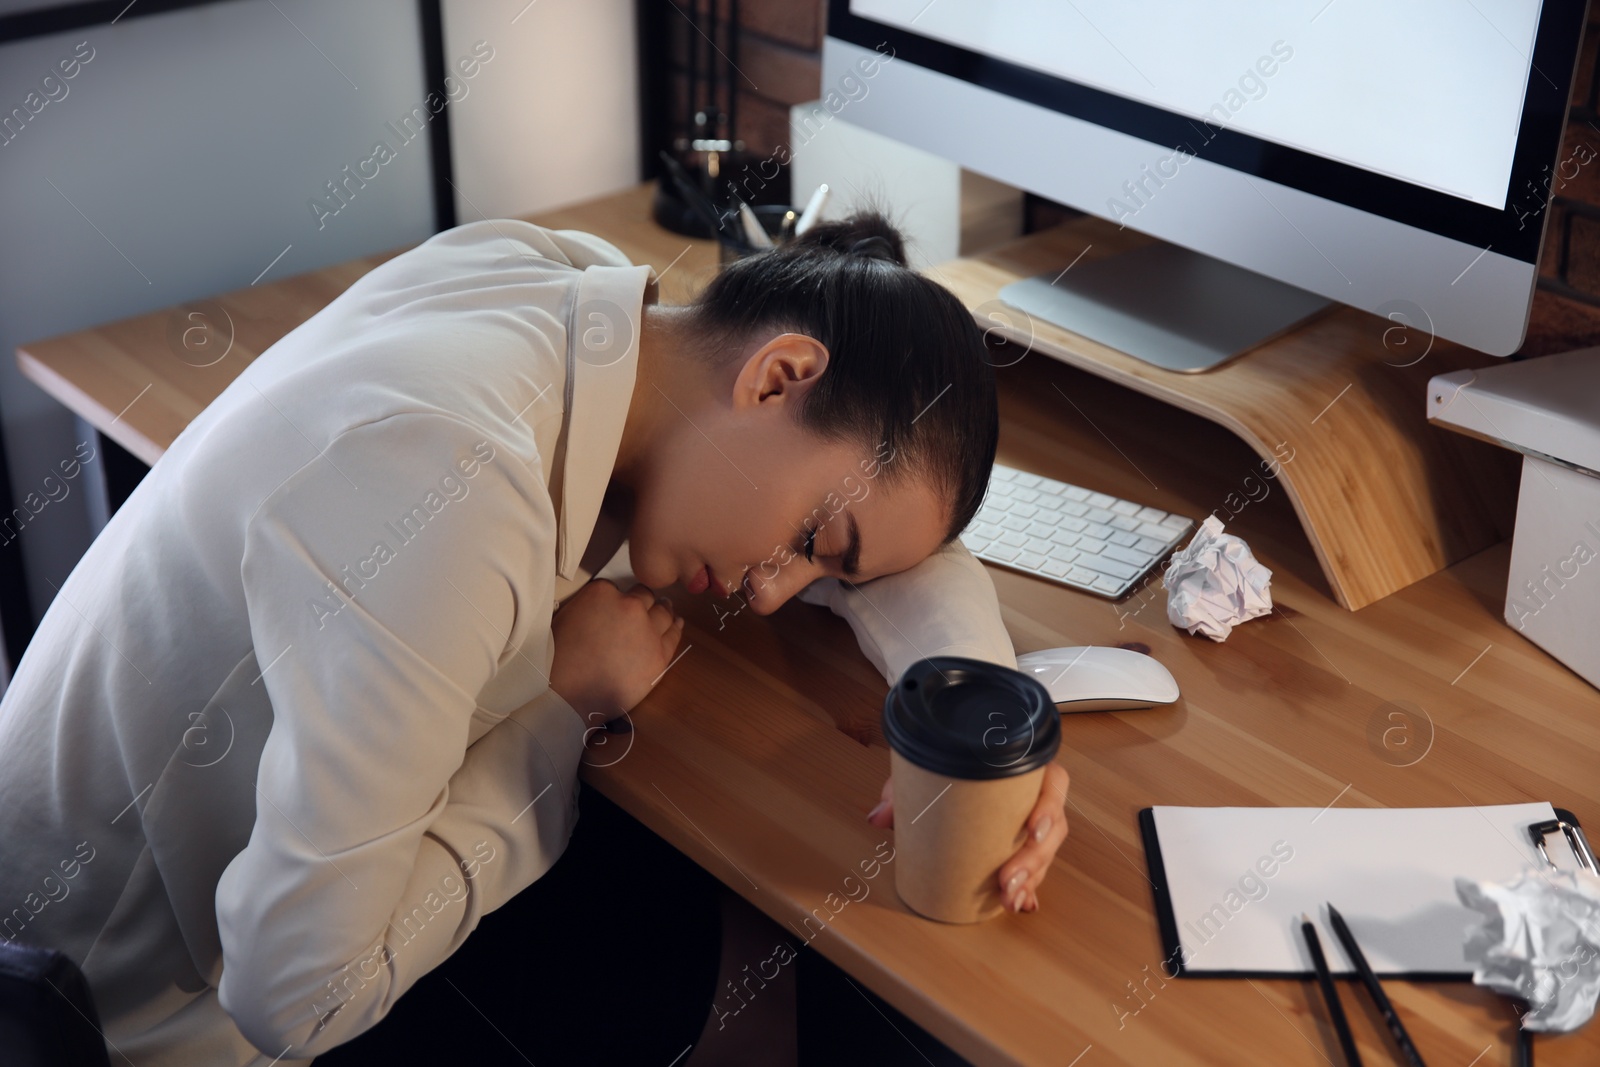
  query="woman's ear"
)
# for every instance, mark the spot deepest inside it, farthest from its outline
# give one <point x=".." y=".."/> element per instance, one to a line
<point x="781" y="369"/>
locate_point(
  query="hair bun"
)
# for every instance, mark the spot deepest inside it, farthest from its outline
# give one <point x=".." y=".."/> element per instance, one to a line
<point x="874" y="247"/>
<point x="865" y="234"/>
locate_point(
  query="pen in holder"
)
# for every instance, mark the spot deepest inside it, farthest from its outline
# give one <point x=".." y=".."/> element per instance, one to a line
<point x="776" y="221"/>
<point x="738" y="229"/>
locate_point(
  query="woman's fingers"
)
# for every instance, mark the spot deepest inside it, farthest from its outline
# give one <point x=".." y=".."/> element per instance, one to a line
<point x="658" y="607"/>
<point x="669" y="641"/>
<point x="882" y="816"/>
<point x="643" y="593"/>
<point x="1019" y="877"/>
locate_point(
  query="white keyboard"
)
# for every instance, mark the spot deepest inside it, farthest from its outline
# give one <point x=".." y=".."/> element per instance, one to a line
<point x="1067" y="534"/>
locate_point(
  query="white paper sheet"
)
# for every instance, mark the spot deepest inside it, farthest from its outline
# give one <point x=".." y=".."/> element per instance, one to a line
<point x="1390" y="871"/>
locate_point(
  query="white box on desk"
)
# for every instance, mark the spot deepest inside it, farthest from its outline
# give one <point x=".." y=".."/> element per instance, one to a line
<point x="1549" y="410"/>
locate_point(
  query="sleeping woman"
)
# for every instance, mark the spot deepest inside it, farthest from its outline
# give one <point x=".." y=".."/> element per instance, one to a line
<point x="313" y="703"/>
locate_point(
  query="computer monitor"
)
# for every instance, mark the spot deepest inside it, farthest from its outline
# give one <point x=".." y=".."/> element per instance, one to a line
<point x="1395" y="157"/>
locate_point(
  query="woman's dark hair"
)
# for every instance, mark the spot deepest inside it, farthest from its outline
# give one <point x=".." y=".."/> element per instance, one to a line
<point x="908" y="374"/>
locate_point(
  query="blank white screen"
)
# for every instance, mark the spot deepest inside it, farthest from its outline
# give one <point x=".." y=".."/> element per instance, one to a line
<point x="1427" y="91"/>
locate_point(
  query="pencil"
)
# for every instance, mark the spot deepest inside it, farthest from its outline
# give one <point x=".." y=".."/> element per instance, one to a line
<point x="1523" y="1051"/>
<point x="1374" y="988"/>
<point x="1341" y="1025"/>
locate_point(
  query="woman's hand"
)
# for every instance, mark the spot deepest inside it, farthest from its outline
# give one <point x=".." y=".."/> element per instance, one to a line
<point x="610" y="647"/>
<point x="1019" y="876"/>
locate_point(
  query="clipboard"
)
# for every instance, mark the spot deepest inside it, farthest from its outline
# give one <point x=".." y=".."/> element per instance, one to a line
<point x="1263" y="941"/>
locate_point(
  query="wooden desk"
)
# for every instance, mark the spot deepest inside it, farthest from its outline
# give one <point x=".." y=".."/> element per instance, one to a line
<point x="759" y="752"/>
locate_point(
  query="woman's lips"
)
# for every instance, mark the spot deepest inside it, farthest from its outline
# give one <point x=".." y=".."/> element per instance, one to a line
<point x="705" y="579"/>
<point x="700" y="582"/>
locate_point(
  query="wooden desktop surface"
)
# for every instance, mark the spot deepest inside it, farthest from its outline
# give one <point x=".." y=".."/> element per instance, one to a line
<point x="759" y="752"/>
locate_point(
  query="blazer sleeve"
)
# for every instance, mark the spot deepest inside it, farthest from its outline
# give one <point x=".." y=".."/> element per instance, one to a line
<point x="385" y="585"/>
<point x="944" y="606"/>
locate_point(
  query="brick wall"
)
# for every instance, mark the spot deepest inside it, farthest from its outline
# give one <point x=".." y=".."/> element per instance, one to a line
<point x="781" y="51"/>
<point x="1566" y="311"/>
<point x="778" y="55"/>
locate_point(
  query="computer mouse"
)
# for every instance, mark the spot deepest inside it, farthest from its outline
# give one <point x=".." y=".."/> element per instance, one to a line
<point x="1098" y="678"/>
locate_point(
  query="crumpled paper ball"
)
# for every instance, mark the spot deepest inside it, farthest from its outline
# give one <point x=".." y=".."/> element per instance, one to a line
<point x="1539" y="941"/>
<point x="1214" y="583"/>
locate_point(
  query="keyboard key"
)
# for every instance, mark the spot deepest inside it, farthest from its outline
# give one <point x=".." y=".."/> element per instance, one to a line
<point x="1012" y="537"/>
<point x="1063" y="553"/>
<point x="1040" y="529"/>
<point x="1100" y="500"/>
<point x="1003" y="553"/>
<point x="1002" y="474"/>
<point x="1024" y="511"/>
<point x="1100" y="515"/>
<point x="1092" y="546"/>
<point x="1002" y="488"/>
<point x="1074" y="492"/>
<point x="1031" y="559"/>
<point x="1106" y="585"/>
<point x="1131" y="556"/>
<point x="1124" y="538"/>
<point x="1160" y="533"/>
<point x="1075" y="525"/>
<point x="1123" y="522"/>
<point x="1055" y="567"/>
<point x="1151" y="545"/>
<point x="1082" y="576"/>
<point x="1064" y="537"/>
<point x="1039" y="545"/>
<point x="1175" y="522"/>
<point x="1123" y="507"/>
<point x="1151" y="514"/>
<point x="1011" y="522"/>
<point x="1107" y="566"/>
<point x="1100" y="530"/>
<point x="1023" y="478"/>
<point x="1027" y="496"/>
<point x="989" y="530"/>
<point x="1072" y="507"/>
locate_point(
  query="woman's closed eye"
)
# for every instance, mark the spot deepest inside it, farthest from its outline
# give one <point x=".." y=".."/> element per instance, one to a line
<point x="851" y="561"/>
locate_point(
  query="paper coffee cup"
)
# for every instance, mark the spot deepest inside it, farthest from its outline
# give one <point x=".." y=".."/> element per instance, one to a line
<point x="969" y="744"/>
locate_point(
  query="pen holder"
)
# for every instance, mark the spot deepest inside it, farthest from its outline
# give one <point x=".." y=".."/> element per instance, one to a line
<point x="732" y="240"/>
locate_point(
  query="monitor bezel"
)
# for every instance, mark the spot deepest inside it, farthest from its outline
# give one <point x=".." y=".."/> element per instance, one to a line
<point x="1514" y="231"/>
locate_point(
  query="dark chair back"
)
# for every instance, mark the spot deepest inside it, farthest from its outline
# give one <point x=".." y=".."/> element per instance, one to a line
<point x="47" y="1016"/>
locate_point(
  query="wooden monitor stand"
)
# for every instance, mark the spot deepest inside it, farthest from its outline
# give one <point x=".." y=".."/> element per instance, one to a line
<point x="1384" y="498"/>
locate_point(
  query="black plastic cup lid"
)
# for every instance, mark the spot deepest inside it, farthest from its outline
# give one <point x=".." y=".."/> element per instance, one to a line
<point x="970" y="719"/>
